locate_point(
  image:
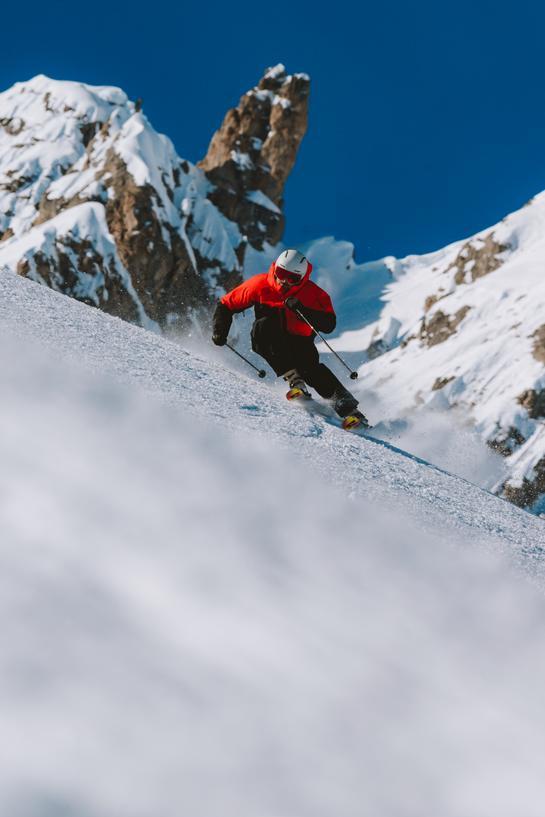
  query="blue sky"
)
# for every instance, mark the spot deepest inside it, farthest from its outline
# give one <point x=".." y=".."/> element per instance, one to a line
<point x="427" y="120"/>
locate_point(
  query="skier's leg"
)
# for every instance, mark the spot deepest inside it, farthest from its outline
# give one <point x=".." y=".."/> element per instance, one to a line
<point x="285" y="353"/>
<point x="322" y="379"/>
<point x="272" y="343"/>
<point x="315" y="373"/>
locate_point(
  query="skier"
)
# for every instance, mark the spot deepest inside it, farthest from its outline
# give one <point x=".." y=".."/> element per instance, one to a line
<point x="280" y="336"/>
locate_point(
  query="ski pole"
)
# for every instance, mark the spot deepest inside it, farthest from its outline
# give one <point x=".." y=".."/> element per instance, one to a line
<point x="353" y="375"/>
<point x="261" y="372"/>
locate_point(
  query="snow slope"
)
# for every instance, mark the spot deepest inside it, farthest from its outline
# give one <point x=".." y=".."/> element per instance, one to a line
<point x="214" y="603"/>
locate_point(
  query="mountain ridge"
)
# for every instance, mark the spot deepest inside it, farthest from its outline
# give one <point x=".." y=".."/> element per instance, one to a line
<point x="462" y="328"/>
<point x="177" y="233"/>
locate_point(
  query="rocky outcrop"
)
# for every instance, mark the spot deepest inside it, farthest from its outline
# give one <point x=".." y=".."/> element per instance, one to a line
<point x="162" y="270"/>
<point x="506" y="441"/>
<point x="440" y="327"/>
<point x="441" y="382"/>
<point x="529" y="490"/>
<point x="477" y="258"/>
<point x="538" y="349"/>
<point x="111" y="215"/>
<point x="78" y="270"/>
<point x="252" y="154"/>
<point x="533" y="401"/>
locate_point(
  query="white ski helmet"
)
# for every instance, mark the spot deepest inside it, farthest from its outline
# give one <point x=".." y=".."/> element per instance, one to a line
<point x="292" y="261"/>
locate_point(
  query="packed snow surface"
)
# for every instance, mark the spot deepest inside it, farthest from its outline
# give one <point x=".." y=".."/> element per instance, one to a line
<point x="215" y="603"/>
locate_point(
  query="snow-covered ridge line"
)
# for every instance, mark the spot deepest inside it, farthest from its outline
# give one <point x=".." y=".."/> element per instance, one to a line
<point x="459" y="328"/>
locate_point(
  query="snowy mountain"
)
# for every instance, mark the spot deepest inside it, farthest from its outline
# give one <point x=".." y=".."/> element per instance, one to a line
<point x="214" y="602"/>
<point x="96" y="204"/>
<point x="462" y="328"/>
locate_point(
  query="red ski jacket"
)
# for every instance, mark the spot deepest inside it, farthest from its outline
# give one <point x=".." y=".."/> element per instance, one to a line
<point x="262" y="292"/>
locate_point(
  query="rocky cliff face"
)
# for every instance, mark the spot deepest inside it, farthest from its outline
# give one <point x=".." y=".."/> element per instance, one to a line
<point x="96" y="204"/>
<point x="250" y="157"/>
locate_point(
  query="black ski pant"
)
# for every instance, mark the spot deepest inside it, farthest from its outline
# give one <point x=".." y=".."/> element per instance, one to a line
<point x="284" y="351"/>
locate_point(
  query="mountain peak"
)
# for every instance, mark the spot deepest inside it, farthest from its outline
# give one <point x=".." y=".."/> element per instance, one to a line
<point x="175" y="235"/>
<point x="253" y="152"/>
<point x="42" y="97"/>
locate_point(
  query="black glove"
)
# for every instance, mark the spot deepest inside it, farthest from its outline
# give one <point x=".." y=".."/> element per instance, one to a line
<point x="293" y="303"/>
<point x="221" y="323"/>
<point x="219" y="340"/>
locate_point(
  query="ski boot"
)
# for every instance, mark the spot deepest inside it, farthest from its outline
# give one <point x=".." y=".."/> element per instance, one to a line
<point x="346" y="406"/>
<point x="298" y="387"/>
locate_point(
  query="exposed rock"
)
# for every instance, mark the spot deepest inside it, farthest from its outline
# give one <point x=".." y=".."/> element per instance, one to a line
<point x="406" y="340"/>
<point x="477" y="258"/>
<point x="49" y="208"/>
<point x="538" y="350"/>
<point x="12" y="125"/>
<point x="534" y="403"/>
<point x="430" y="301"/>
<point x="253" y="152"/>
<point x="441" y="382"/>
<point x="161" y="270"/>
<point x="63" y="273"/>
<point x="440" y="326"/>
<point x="16" y="183"/>
<point x="180" y="239"/>
<point x="529" y="490"/>
<point x="506" y="442"/>
<point x="88" y="131"/>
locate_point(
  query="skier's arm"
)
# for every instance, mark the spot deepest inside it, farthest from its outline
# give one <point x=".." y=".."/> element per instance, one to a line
<point x="221" y="323"/>
<point x="243" y="296"/>
<point x="324" y="320"/>
<point x="239" y="299"/>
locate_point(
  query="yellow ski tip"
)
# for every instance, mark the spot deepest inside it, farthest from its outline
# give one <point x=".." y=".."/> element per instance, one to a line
<point x="351" y="422"/>
<point x="293" y="394"/>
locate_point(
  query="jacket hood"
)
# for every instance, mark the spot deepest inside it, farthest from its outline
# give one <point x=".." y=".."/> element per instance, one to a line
<point x="271" y="280"/>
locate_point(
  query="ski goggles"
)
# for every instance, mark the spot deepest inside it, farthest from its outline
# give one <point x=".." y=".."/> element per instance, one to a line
<point x="286" y="277"/>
